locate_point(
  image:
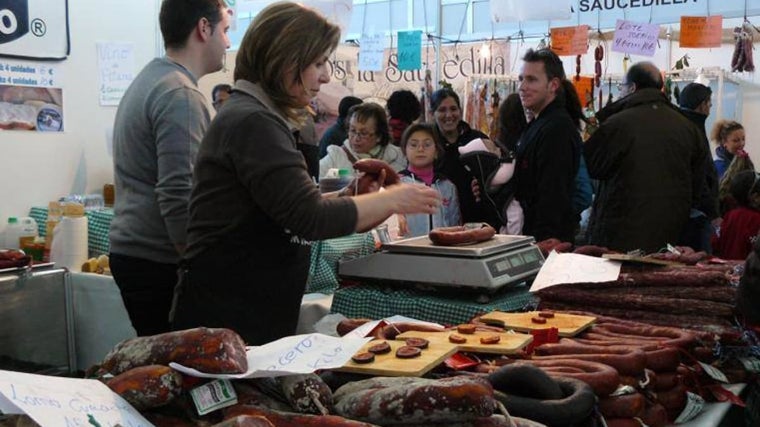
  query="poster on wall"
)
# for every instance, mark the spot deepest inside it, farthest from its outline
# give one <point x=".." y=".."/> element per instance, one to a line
<point x="31" y="97"/>
<point x="36" y="29"/>
<point x="116" y="70"/>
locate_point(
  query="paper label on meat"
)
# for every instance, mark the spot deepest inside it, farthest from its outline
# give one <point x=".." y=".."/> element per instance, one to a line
<point x="714" y="372"/>
<point x="751" y="364"/>
<point x="694" y="406"/>
<point x="215" y="395"/>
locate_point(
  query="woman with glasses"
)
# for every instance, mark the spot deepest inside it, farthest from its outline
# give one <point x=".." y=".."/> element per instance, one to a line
<point x="453" y="132"/>
<point x="740" y="225"/>
<point x="368" y="138"/>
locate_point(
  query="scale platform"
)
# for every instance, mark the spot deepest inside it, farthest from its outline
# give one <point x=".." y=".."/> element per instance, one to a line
<point x="490" y="265"/>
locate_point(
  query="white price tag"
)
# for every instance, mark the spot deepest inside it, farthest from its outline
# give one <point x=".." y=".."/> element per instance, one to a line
<point x="752" y="364"/>
<point x="694" y="405"/>
<point x="215" y="395"/>
<point x="714" y="372"/>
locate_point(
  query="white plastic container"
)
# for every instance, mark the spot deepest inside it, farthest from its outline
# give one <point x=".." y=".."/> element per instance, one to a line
<point x="19" y="229"/>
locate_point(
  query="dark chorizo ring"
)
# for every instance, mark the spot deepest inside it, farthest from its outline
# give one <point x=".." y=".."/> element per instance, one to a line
<point x="525" y="381"/>
<point x="448" y="236"/>
<point x="603" y="379"/>
<point x="576" y="405"/>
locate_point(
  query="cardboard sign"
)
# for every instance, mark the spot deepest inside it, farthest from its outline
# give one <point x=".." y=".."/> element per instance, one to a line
<point x="635" y="38"/>
<point x="701" y="31"/>
<point x="570" y="40"/>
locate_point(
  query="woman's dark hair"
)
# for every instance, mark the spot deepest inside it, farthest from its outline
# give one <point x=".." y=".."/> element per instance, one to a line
<point x="404" y="104"/>
<point x="742" y="185"/>
<point x="440" y="95"/>
<point x="178" y="18"/>
<point x="417" y="127"/>
<point x="370" y="110"/>
<point x="512" y="121"/>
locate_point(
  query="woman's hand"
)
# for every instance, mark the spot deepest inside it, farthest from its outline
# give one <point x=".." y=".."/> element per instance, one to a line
<point x="413" y="198"/>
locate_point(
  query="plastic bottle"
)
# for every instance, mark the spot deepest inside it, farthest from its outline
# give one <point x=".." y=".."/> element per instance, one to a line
<point x="19" y="230"/>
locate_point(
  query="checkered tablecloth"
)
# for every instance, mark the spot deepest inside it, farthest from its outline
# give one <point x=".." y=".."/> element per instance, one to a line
<point x="447" y="307"/>
<point x="324" y="254"/>
<point x="98" y="223"/>
<point x="323" y="272"/>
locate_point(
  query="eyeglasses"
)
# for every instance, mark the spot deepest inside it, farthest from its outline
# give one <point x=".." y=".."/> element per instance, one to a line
<point x="352" y="133"/>
<point x="425" y="145"/>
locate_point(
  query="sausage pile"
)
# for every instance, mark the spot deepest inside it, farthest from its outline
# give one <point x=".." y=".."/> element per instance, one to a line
<point x="697" y="297"/>
<point x="161" y="394"/>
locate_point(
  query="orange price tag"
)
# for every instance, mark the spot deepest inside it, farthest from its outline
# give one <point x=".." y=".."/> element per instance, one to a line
<point x="584" y="86"/>
<point x="570" y="40"/>
<point x="701" y="31"/>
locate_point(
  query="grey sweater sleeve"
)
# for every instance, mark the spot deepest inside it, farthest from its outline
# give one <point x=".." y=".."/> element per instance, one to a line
<point x="180" y="121"/>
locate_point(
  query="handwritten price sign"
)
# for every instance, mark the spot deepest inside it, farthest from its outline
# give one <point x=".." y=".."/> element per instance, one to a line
<point x="570" y="40"/>
<point x="635" y="38"/>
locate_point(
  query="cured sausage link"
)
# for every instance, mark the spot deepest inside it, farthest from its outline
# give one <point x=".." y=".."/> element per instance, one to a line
<point x="460" y="235"/>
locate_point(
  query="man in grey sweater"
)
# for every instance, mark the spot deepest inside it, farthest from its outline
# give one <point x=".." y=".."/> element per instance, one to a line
<point x="158" y="128"/>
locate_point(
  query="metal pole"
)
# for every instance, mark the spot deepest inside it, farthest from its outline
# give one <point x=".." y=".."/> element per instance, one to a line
<point x="439" y="31"/>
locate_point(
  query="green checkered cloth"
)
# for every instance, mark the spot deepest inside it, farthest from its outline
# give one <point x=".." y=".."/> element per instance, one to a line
<point x="98" y="224"/>
<point x="446" y="307"/>
<point x="325" y="254"/>
<point x="323" y="271"/>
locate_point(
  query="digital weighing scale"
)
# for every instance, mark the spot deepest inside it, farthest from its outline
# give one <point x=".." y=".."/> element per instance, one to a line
<point x="490" y="265"/>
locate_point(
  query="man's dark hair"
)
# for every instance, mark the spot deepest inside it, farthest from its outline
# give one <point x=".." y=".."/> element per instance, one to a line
<point x="693" y="94"/>
<point x="178" y="18"/>
<point x="552" y="63"/>
<point x="645" y="75"/>
<point x="221" y="87"/>
<point x="404" y="104"/>
<point x="345" y="104"/>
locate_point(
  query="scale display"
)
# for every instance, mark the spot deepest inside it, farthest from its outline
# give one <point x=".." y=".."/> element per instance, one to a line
<point x="414" y="263"/>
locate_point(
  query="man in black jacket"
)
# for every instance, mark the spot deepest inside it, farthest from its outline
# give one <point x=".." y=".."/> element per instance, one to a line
<point x="548" y="153"/>
<point x="695" y="102"/>
<point x="649" y="160"/>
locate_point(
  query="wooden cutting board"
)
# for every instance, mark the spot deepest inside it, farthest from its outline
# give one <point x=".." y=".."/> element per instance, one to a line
<point x="568" y="325"/>
<point x="509" y="343"/>
<point x="640" y="259"/>
<point x="390" y="365"/>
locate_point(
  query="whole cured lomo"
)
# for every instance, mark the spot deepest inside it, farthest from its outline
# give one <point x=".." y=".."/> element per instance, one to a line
<point x="461" y="235"/>
<point x="209" y="350"/>
<point x="147" y="387"/>
<point x="399" y="400"/>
